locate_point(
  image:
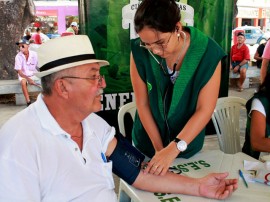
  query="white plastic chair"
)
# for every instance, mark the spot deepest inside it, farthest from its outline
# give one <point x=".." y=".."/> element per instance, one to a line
<point x="127" y="108"/>
<point x="226" y="118"/>
<point x="124" y="189"/>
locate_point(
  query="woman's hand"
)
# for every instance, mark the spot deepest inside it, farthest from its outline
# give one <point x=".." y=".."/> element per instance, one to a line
<point x="216" y="186"/>
<point x="162" y="160"/>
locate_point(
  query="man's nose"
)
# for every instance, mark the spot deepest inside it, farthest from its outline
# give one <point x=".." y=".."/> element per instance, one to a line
<point x="102" y="83"/>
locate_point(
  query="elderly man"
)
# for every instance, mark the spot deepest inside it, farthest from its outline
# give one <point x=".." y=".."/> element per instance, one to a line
<point x="60" y="150"/>
<point x="26" y="65"/>
<point x="239" y="59"/>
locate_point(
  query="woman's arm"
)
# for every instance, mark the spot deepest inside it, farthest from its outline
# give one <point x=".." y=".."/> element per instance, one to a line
<point x="143" y="108"/>
<point x="256" y="56"/>
<point x="205" y="106"/>
<point x="257" y="132"/>
<point x="264" y="68"/>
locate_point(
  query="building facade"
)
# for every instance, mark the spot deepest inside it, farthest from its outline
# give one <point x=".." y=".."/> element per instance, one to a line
<point x="253" y="13"/>
<point x="55" y="16"/>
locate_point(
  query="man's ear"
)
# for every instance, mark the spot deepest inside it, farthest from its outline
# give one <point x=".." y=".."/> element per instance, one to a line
<point x="61" y="87"/>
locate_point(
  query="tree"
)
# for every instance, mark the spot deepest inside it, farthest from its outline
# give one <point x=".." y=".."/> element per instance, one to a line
<point x="15" y="15"/>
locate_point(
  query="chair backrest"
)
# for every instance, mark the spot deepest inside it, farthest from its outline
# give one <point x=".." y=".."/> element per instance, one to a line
<point x="127" y="108"/>
<point x="226" y="118"/>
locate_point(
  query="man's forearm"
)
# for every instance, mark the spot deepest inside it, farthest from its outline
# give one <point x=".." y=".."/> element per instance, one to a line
<point x="169" y="183"/>
<point x="243" y="62"/>
<point x="22" y="74"/>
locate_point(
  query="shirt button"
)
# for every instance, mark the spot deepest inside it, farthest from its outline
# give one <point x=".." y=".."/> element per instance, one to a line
<point x="76" y="149"/>
<point x="66" y="136"/>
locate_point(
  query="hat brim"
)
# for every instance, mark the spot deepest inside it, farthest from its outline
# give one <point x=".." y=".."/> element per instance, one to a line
<point x="70" y="65"/>
<point x="17" y="43"/>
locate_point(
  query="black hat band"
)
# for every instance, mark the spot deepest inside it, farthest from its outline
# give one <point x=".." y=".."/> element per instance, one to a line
<point x="67" y="60"/>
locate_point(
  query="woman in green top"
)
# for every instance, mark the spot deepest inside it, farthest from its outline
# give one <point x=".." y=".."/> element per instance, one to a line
<point x="175" y="73"/>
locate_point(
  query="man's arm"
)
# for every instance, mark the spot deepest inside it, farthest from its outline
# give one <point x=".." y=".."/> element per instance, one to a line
<point x="210" y="186"/>
<point x="30" y="81"/>
<point x="213" y="185"/>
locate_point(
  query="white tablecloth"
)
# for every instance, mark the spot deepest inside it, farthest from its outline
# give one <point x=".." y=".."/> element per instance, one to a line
<point x="199" y="165"/>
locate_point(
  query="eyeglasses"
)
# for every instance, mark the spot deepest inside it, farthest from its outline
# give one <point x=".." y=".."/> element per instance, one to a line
<point x="99" y="78"/>
<point x="22" y="46"/>
<point x="159" y="46"/>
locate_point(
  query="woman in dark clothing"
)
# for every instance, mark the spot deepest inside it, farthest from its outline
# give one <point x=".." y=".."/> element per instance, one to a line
<point x="257" y="140"/>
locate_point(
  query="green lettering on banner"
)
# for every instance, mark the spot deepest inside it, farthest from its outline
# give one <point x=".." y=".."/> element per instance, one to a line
<point x="161" y="197"/>
<point x="194" y="166"/>
<point x="202" y="162"/>
<point x="186" y="167"/>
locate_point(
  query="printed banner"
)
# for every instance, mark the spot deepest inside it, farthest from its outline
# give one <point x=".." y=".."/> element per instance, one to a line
<point x="110" y="28"/>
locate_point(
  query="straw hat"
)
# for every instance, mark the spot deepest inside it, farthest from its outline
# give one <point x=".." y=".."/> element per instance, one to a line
<point x="65" y="52"/>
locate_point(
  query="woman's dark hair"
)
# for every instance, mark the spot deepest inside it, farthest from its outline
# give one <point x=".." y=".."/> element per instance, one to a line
<point x="161" y="15"/>
<point x="264" y="88"/>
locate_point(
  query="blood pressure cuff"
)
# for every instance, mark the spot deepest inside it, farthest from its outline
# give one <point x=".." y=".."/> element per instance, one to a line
<point x="126" y="160"/>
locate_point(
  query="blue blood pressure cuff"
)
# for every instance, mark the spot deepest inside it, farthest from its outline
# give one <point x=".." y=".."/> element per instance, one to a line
<point x="126" y="160"/>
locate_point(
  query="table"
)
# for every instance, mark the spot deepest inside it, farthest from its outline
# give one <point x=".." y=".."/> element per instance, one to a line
<point x="198" y="166"/>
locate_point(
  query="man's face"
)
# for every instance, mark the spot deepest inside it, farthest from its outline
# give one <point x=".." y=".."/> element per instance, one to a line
<point x="85" y="88"/>
<point x="23" y="48"/>
<point x="74" y="28"/>
<point x="241" y="39"/>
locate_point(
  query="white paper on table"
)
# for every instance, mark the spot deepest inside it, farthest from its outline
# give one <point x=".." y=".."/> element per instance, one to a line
<point x="257" y="171"/>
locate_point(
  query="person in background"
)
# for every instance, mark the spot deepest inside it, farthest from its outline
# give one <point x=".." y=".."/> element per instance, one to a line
<point x="257" y="138"/>
<point x="258" y="54"/>
<point x="175" y="81"/>
<point x="239" y="59"/>
<point x="27" y="35"/>
<point x="36" y="37"/>
<point x="26" y="66"/>
<point x="265" y="61"/>
<point x="73" y="28"/>
<point x="58" y="149"/>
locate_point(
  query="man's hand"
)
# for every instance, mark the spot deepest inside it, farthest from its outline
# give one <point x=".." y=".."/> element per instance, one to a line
<point x="216" y="186"/>
<point x="30" y="81"/>
<point x="236" y="68"/>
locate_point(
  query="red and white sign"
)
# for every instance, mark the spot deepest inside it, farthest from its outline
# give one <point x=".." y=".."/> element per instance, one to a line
<point x="46" y="13"/>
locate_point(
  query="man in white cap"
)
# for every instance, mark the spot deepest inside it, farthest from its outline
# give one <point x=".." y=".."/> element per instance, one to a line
<point x="73" y="28"/>
<point x="26" y="65"/>
<point x="60" y="150"/>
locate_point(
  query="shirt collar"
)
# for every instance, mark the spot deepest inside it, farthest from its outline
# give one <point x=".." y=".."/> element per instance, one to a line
<point x="47" y="121"/>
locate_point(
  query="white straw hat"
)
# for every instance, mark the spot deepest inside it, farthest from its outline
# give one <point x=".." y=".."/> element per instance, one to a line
<point x="65" y="52"/>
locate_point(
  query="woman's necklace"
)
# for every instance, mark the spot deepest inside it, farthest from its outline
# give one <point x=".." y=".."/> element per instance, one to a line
<point x="177" y="60"/>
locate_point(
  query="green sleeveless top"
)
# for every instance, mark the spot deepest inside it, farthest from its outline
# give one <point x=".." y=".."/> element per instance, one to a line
<point x="172" y="105"/>
<point x="247" y="149"/>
